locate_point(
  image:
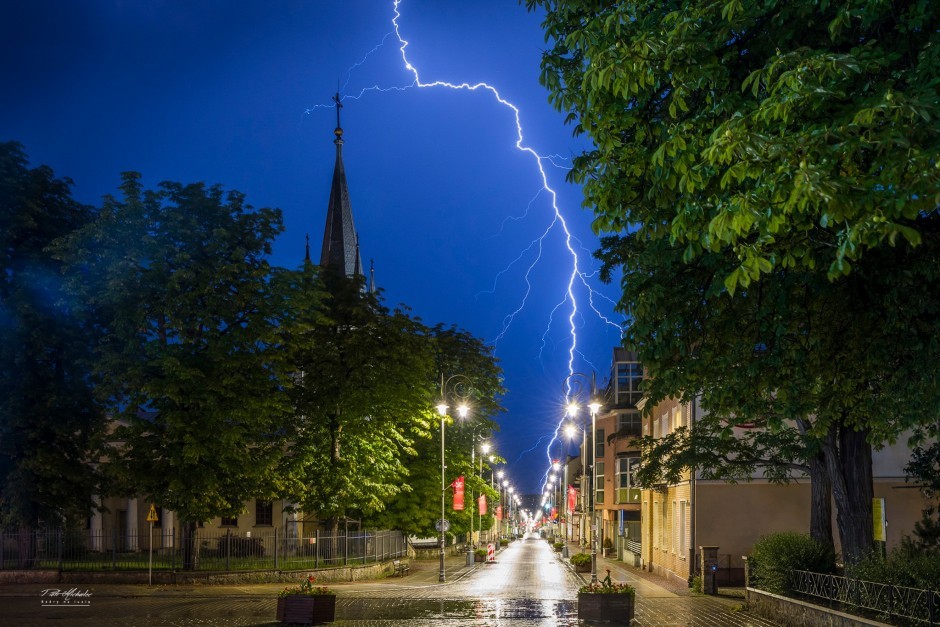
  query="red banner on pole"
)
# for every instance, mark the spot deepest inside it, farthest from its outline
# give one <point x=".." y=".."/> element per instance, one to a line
<point x="572" y="498"/>
<point x="499" y="512"/>
<point x="481" y="504"/>
<point x="458" y="494"/>
<point x="554" y="513"/>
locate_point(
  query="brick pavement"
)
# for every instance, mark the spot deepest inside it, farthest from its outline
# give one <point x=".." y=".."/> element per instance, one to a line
<point x="492" y="594"/>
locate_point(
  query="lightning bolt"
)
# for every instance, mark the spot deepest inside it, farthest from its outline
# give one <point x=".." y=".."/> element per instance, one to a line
<point x="576" y="277"/>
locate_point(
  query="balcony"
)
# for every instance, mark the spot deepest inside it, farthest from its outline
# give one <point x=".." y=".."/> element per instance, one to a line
<point x="625" y="496"/>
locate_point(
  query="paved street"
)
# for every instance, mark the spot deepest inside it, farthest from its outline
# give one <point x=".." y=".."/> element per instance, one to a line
<point x="528" y="586"/>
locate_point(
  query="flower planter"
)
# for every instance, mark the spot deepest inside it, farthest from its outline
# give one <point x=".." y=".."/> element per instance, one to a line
<point x="582" y="568"/>
<point x="306" y="609"/>
<point x="614" y="609"/>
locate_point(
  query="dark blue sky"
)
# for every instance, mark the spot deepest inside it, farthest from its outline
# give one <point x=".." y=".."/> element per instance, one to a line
<point x="234" y="92"/>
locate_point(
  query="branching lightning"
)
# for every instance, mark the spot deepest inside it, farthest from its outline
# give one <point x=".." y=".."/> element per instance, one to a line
<point x="576" y="276"/>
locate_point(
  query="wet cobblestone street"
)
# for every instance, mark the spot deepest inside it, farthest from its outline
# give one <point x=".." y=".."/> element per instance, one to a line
<point x="528" y="586"/>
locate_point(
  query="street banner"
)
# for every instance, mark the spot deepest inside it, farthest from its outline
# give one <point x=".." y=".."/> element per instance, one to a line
<point x="458" y="494"/>
<point x="554" y="513"/>
<point x="572" y="498"/>
<point x="481" y="504"/>
<point x="499" y="512"/>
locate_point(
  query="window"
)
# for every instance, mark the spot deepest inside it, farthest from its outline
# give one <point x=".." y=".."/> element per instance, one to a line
<point x="657" y="528"/>
<point x="629" y="380"/>
<point x="229" y="522"/>
<point x="665" y="525"/>
<point x="627" y="492"/>
<point x="599" y="443"/>
<point x="264" y="513"/>
<point x="682" y="536"/>
<point x="599" y="492"/>
<point x="629" y="423"/>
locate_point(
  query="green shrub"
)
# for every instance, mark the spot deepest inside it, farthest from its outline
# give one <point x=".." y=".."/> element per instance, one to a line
<point x="901" y="568"/>
<point x="503" y="542"/>
<point x="774" y="557"/>
<point x="697" y="584"/>
<point x="558" y="546"/>
<point x="480" y="553"/>
<point x="581" y="559"/>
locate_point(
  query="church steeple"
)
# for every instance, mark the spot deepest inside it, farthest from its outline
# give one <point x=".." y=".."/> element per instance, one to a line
<point x="340" y="250"/>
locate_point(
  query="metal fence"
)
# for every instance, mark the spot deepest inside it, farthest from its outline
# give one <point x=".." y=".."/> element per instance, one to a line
<point x="111" y="550"/>
<point x="893" y="602"/>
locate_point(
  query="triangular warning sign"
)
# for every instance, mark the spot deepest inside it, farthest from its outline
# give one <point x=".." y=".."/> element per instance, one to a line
<point x="152" y="515"/>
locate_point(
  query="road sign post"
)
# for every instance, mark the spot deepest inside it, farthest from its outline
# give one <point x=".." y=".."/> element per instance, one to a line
<point x="151" y="518"/>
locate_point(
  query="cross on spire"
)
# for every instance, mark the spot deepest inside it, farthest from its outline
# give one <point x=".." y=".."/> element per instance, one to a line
<point x="339" y="129"/>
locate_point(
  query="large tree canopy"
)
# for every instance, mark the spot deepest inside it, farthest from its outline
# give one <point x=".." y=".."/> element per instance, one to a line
<point x="744" y="125"/>
<point x="49" y="420"/>
<point x="767" y="177"/>
<point x="178" y="281"/>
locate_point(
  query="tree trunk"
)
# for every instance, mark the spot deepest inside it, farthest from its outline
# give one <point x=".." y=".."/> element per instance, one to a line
<point x="26" y="548"/>
<point x="848" y="460"/>
<point x="188" y="539"/>
<point x="820" y="521"/>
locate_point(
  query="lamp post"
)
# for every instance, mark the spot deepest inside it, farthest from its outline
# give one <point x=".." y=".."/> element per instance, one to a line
<point x="484" y="449"/>
<point x="458" y="388"/>
<point x="570" y="431"/>
<point x="574" y="389"/>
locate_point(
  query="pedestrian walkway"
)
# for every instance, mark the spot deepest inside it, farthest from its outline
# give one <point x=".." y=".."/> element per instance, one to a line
<point x="529" y="586"/>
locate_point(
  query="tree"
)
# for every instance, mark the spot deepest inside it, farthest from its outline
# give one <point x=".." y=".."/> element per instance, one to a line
<point x="178" y="279"/>
<point x="416" y="510"/>
<point x="49" y="420"/>
<point x="359" y="399"/>
<point x="767" y="172"/>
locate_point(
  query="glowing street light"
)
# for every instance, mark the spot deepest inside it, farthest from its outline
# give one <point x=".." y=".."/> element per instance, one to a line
<point x="458" y="388"/>
<point x="574" y="388"/>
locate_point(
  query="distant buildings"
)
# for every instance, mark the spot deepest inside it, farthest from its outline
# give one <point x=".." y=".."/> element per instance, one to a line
<point x="661" y="530"/>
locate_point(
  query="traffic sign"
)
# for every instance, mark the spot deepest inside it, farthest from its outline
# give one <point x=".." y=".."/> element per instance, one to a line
<point x="152" y="515"/>
<point x="437" y="525"/>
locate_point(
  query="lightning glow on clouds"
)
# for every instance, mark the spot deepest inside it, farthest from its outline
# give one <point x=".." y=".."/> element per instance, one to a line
<point x="575" y="277"/>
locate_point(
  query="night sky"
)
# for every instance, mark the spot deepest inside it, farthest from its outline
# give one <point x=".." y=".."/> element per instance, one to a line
<point x="237" y="93"/>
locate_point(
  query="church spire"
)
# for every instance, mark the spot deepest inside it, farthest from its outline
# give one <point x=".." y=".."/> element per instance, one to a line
<point x="340" y="250"/>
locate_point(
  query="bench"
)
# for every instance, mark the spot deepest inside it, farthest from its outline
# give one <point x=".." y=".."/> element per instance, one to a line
<point x="400" y="568"/>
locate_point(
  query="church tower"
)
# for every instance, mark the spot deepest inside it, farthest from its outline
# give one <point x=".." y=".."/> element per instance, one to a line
<point x="340" y="252"/>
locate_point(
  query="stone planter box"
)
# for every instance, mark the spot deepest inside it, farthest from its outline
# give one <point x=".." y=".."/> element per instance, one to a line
<point x="613" y="609"/>
<point x="582" y="568"/>
<point x="305" y="609"/>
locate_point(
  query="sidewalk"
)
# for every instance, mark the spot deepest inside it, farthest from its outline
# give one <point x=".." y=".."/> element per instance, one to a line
<point x="421" y="573"/>
<point x="647" y="584"/>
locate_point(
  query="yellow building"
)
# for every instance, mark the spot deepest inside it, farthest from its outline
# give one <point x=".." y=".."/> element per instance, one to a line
<point x="695" y="512"/>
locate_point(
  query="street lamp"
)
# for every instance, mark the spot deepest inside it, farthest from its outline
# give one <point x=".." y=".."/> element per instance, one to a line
<point x="484" y="449"/>
<point x="574" y="389"/>
<point x="457" y="387"/>
<point x="570" y="431"/>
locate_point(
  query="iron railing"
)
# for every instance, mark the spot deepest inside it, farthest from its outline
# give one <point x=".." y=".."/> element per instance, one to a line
<point x="113" y="550"/>
<point x="884" y="600"/>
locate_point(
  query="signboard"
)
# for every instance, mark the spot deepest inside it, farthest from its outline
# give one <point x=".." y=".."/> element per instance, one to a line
<point x="878" y="517"/>
<point x="458" y="494"/>
<point x="572" y="498"/>
<point x="152" y="514"/>
<point x="481" y="503"/>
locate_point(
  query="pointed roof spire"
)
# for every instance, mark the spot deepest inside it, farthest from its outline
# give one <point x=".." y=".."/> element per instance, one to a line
<point x="307" y="249"/>
<point x="372" y="276"/>
<point x="340" y="250"/>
